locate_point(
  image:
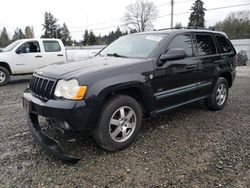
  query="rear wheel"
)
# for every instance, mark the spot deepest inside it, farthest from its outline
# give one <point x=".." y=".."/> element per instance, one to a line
<point x="119" y="123"/>
<point x="4" y="76"/>
<point x="219" y="96"/>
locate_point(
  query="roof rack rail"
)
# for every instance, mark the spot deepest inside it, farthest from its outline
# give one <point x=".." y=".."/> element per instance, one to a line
<point x="189" y="27"/>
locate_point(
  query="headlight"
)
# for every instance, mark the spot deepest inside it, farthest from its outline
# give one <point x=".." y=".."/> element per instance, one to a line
<point x="70" y="90"/>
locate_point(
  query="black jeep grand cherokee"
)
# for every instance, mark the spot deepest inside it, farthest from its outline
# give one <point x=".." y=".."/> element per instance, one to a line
<point x="138" y="75"/>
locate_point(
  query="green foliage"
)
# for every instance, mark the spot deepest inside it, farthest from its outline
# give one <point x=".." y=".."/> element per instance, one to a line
<point x="49" y="26"/>
<point x="65" y="35"/>
<point x="236" y="25"/>
<point x="4" y="38"/>
<point x="197" y="16"/>
<point x="29" y="32"/>
<point x="178" y="25"/>
<point x="89" y="37"/>
<point x="86" y="38"/>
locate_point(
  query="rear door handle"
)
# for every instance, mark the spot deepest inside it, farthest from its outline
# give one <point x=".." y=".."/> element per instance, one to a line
<point x="59" y="54"/>
<point x="38" y="56"/>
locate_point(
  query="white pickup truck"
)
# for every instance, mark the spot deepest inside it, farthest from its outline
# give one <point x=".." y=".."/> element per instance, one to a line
<point x="24" y="56"/>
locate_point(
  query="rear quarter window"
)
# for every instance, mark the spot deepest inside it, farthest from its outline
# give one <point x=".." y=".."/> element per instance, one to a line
<point x="51" y="46"/>
<point x="225" y="47"/>
<point x="205" y="44"/>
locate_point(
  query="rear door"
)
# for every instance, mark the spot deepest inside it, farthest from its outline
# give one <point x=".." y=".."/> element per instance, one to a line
<point x="208" y="60"/>
<point x="54" y="52"/>
<point x="227" y="52"/>
<point x="175" y="81"/>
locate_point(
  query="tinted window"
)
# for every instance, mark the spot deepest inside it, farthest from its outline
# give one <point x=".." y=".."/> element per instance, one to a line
<point x="224" y="45"/>
<point x="205" y="44"/>
<point x="30" y="47"/>
<point x="51" y="46"/>
<point x="182" y="41"/>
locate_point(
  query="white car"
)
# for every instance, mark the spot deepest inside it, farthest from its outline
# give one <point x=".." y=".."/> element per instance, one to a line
<point x="24" y="56"/>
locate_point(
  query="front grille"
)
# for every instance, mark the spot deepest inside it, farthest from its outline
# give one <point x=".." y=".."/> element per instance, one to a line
<point x="41" y="87"/>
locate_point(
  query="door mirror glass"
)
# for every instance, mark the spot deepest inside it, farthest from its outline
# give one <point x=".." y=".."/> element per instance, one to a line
<point x="172" y="54"/>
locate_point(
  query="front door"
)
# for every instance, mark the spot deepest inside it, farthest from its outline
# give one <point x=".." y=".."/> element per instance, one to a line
<point x="28" y="57"/>
<point x="175" y="81"/>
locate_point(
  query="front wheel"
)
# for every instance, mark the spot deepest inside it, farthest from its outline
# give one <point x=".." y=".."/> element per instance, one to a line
<point x="219" y="96"/>
<point x="4" y="76"/>
<point x="119" y="123"/>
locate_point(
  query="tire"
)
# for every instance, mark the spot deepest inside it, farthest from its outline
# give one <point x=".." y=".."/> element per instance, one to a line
<point x="4" y="76"/>
<point x="123" y="129"/>
<point x="219" y="95"/>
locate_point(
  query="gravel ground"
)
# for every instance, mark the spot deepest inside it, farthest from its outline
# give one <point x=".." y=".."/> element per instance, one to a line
<point x="188" y="147"/>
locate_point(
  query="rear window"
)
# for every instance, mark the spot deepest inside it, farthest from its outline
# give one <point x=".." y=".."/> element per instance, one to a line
<point x="51" y="46"/>
<point x="224" y="45"/>
<point x="205" y="44"/>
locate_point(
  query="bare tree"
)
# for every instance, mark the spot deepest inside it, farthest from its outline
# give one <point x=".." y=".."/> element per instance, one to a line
<point x="140" y="15"/>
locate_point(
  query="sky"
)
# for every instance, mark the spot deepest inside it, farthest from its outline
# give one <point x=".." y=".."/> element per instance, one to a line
<point x="101" y="16"/>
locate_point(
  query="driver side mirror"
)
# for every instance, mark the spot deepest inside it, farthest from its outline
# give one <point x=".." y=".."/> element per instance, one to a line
<point x="172" y="54"/>
<point x="18" y="51"/>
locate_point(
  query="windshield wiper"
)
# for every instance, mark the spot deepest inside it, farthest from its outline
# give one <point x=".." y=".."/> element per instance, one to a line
<point x="116" y="55"/>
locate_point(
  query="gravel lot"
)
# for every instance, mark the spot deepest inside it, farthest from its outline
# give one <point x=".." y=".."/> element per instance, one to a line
<point x="188" y="147"/>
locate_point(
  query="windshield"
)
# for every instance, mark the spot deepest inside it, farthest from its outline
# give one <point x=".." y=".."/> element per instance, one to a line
<point x="11" y="46"/>
<point x="133" y="46"/>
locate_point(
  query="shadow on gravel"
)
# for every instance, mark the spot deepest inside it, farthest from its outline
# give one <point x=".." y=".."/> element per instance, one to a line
<point x="81" y="144"/>
<point x="19" y="81"/>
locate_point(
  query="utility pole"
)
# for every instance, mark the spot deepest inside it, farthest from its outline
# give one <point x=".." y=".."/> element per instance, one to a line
<point x="172" y="12"/>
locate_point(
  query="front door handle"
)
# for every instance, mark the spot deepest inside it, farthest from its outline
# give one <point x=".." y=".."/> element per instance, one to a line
<point x="38" y="56"/>
<point x="59" y="54"/>
<point x="191" y="66"/>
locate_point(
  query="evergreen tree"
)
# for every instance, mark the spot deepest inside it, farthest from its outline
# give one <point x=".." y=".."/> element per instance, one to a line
<point x="15" y="35"/>
<point x="178" y="25"/>
<point x="50" y="26"/>
<point x="86" y="38"/>
<point x="21" y="34"/>
<point x="29" y="32"/>
<point x="197" y="16"/>
<point x="92" y="38"/>
<point x="4" y="38"/>
<point x="66" y="38"/>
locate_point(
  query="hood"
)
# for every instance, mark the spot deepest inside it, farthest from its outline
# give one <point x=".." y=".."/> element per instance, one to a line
<point x="68" y="70"/>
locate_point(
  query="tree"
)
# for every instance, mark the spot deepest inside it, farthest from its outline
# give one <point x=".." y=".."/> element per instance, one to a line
<point x="178" y="25"/>
<point x="50" y="26"/>
<point x="236" y="25"/>
<point x="140" y="15"/>
<point x="85" y="38"/>
<point x="197" y="16"/>
<point x="66" y="38"/>
<point x="4" y="38"/>
<point x="15" y="35"/>
<point x="29" y="32"/>
<point x="92" y="38"/>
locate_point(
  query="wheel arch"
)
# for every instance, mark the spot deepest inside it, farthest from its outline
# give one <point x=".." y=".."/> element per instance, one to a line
<point x="228" y="77"/>
<point x="6" y="65"/>
<point x="137" y="91"/>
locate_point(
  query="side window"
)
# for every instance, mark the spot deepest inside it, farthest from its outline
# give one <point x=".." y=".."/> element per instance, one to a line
<point x="205" y="44"/>
<point x="30" y="47"/>
<point x="224" y="45"/>
<point x="182" y="41"/>
<point x="51" y="46"/>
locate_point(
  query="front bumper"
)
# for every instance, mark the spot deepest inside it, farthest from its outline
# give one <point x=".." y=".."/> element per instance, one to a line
<point x="75" y="113"/>
<point x="47" y="143"/>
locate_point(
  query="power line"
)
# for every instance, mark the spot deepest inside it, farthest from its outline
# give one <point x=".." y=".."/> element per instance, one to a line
<point x="166" y="15"/>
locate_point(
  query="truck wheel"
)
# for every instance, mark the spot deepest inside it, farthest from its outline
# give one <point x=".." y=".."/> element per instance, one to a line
<point x="119" y="123"/>
<point x="4" y="76"/>
<point x="219" y="96"/>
